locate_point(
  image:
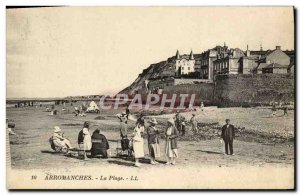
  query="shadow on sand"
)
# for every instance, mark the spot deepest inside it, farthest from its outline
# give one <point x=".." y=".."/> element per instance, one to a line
<point x="49" y="152"/>
<point x="121" y="163"/>
<point x="69" y="155"/>
<point x="209" y="152"/>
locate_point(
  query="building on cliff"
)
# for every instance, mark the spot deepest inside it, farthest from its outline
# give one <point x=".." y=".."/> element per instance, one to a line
<point x="228" y="63"/>
<point x="205" y="61"/>
<point x="275" y="61"/>
<point x="184" y="64"/>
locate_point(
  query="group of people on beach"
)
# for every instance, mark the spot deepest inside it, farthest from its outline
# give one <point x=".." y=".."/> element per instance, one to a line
<point x="97" y="143"/>
<point x="153" y="138"/>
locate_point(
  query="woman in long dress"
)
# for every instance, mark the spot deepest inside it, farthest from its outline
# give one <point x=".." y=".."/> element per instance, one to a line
<point x="153" y="141"/>
<point x="171" y="142"/>
<point x="138" y="141"/>
<point x="84" y="139"/>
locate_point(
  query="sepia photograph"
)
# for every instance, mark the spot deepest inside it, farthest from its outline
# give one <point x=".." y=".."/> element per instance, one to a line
<point x="148" y="98"/>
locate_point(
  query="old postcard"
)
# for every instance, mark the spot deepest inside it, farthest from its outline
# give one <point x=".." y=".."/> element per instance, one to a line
<point x="150" y="98"/>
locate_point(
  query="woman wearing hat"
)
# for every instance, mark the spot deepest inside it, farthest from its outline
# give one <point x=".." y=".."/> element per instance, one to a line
<point x="59" y="140"/>
<point x="153" y="141"/>
<point x="171" y="142"/>
<point x="138" y="140"/>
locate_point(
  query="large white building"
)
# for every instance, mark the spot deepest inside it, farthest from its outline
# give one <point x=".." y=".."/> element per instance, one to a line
<point x="185" y="64"/>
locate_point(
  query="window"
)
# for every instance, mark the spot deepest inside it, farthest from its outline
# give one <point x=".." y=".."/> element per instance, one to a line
<point x="188" y="68"/>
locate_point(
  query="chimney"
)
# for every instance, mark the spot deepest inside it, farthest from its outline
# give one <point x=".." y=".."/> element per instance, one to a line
<point x="177" y="55"/>
<point x="278" y="48"/>
<point x="247" y="51"/>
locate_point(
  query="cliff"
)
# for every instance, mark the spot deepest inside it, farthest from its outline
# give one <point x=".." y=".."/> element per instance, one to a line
<point x="163" y="69"/>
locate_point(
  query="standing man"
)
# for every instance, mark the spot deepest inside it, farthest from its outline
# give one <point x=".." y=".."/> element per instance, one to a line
<point x="228" y="136"/>
<point x="123" y="124"/>
<point x="178" y="122"/>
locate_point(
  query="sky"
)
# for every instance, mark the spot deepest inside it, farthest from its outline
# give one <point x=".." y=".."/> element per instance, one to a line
<point x="67" y="51"/>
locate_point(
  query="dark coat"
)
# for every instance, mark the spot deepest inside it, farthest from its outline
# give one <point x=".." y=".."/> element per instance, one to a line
<point x="228" y="133"/>
<point x="80" y="137"/>
<point x="99" y="141"/>
<point x="173" y="137"/>
<point x="153" y="135"/>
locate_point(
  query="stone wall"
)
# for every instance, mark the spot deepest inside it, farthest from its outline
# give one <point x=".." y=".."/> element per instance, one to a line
<point x="204" y="91"/>
<point x="257" y="89"/>
<point x="232" y="90"/>
<point x="190" y="81"/>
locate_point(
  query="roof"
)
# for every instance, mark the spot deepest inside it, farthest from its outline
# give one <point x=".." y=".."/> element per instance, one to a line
<point x="261" y="66"/>
<point x="258" y="52"/>
<point x="275" y="65"/>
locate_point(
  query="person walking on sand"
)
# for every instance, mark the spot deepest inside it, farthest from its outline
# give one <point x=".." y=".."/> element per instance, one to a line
<point x="227" y="136"/>
<point x="84" y="139"/>
<point x="138" y="140"/>
<point x="153" y="141"/>
<point x="194" y="123"/>
<point x="171" y="142"/>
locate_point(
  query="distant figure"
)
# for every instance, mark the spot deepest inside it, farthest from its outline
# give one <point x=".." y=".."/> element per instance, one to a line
<point x="285" y="111"/>
<point x="146" y="85"/>
<point x="10" y="128"/>
<point x="183" y="124"/>
<point x="84" y="139"/>
<point x="171" y="142"/>
<point x="82" y="113"/>
<point x="202" y="106"/>
<point x="274" y="110"/>
<point x="99" y="144"/>
<point x="153" y="141"/>
<point x="194" y="123"/>
<point x="178" y="121"/>
<point x="76" y="112"/>
<point x="228" y="135"/>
